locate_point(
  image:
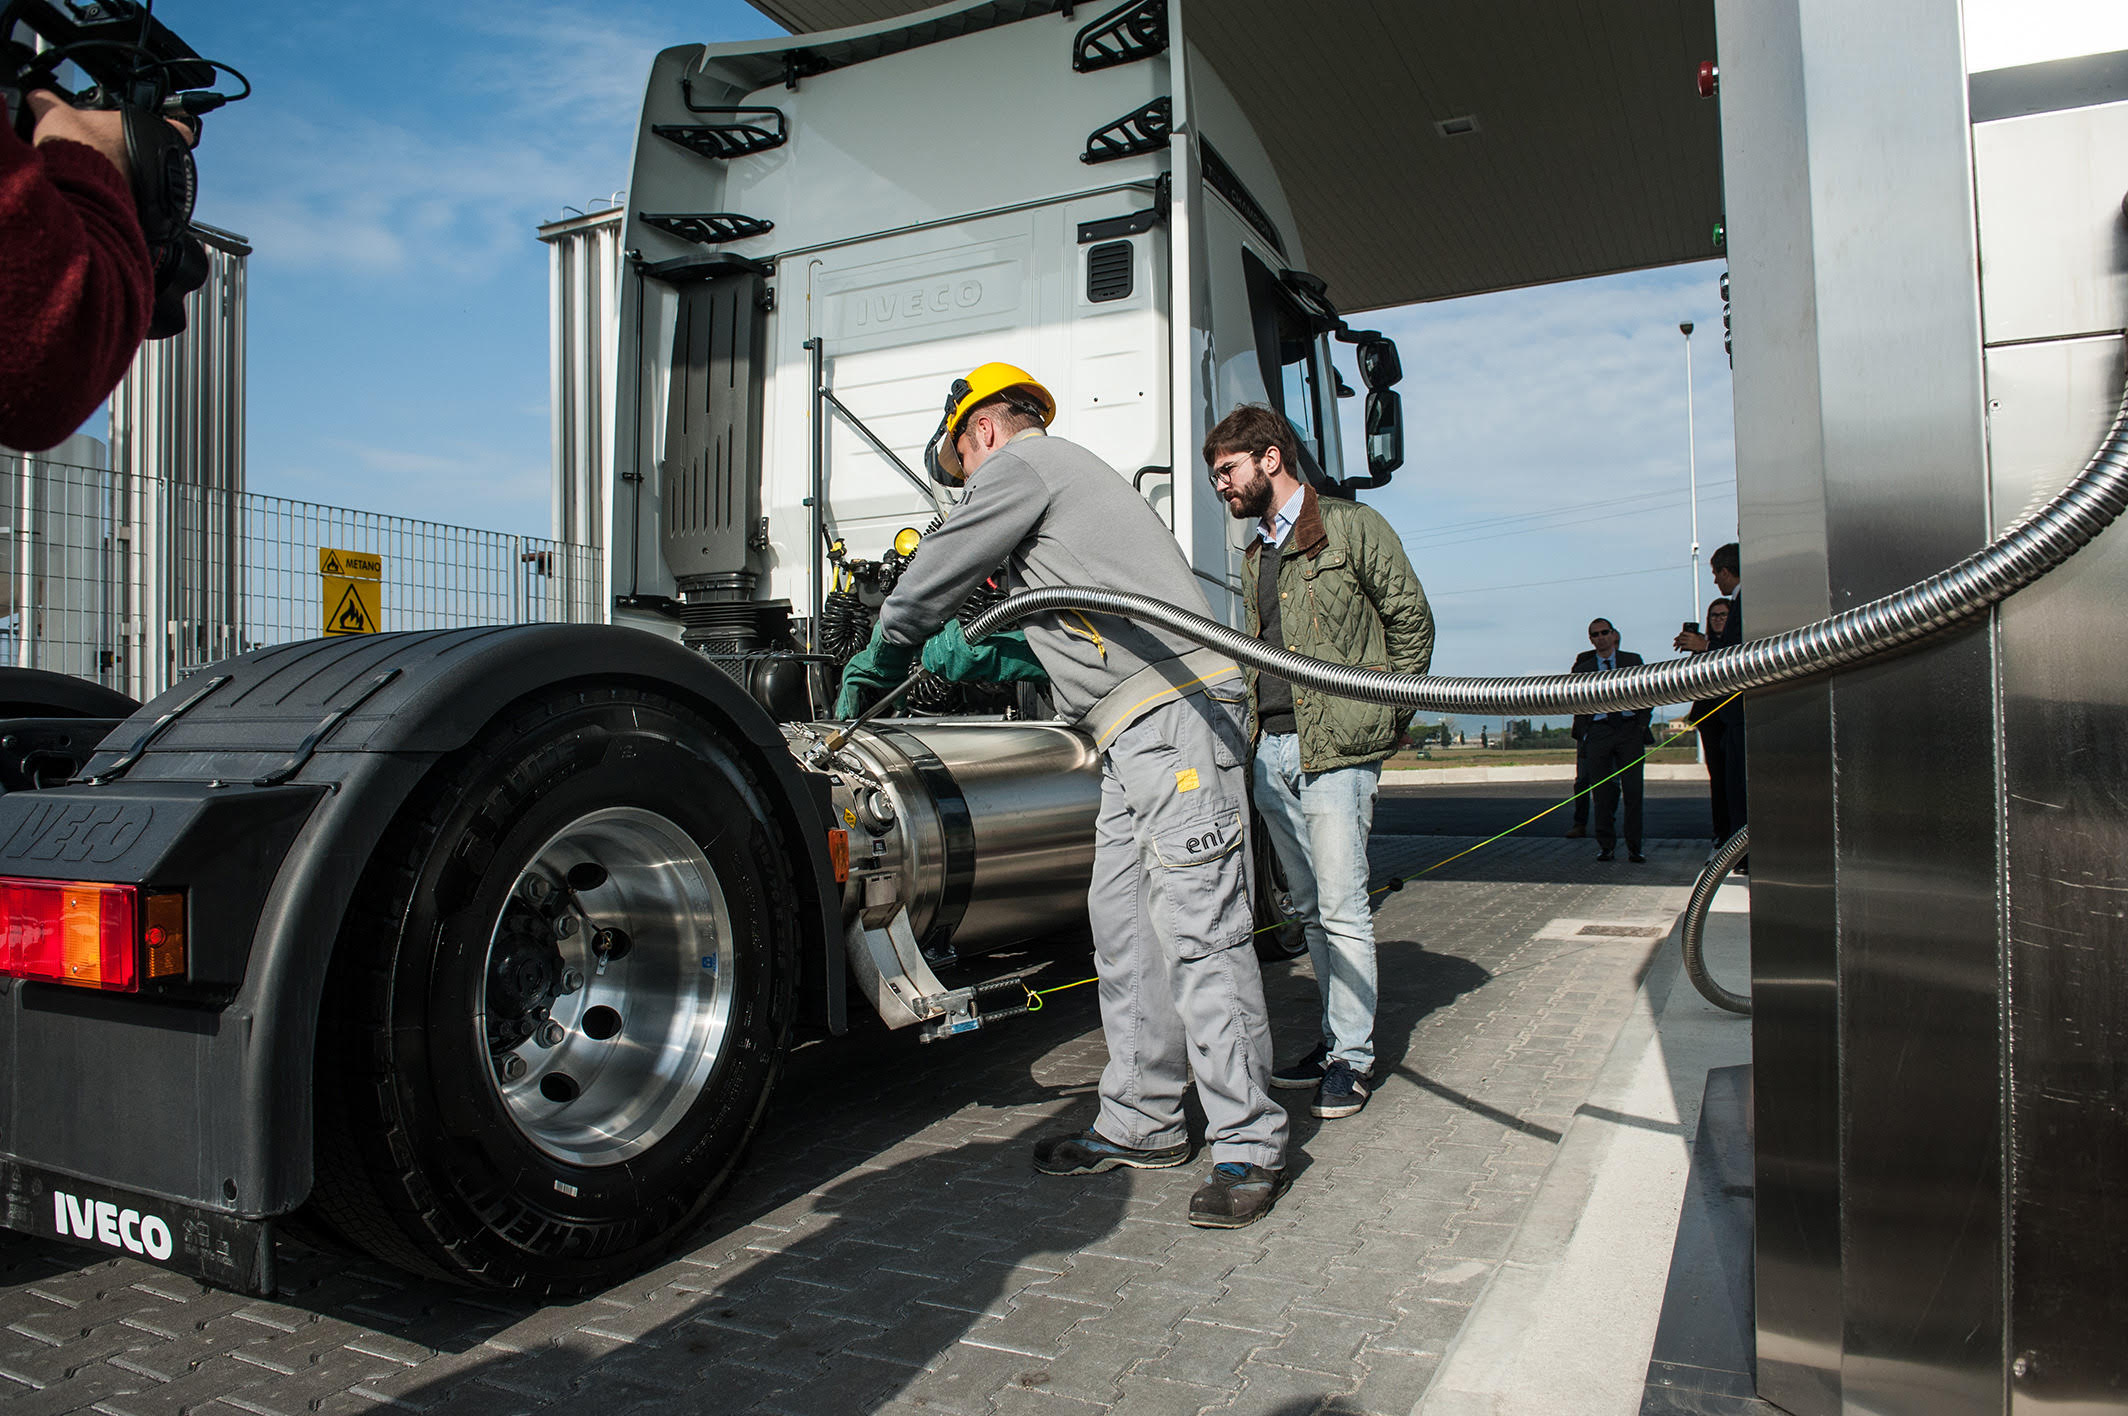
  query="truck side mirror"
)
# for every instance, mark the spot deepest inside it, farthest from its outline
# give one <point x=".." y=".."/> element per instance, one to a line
<point x="1385" y="431"/>
<point x="1380" y="368"/>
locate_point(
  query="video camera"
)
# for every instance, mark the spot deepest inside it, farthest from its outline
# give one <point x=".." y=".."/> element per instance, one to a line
<point x="135" y="65"/>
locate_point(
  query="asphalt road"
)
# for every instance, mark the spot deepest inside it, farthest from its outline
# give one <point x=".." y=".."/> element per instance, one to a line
<point x="1672" y="810"/>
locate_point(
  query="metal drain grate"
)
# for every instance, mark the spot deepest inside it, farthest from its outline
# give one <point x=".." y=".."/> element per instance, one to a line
<point x="1621" y="931"/>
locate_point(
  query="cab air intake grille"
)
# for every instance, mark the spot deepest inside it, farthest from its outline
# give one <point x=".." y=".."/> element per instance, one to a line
<point x="1108" y="271"/>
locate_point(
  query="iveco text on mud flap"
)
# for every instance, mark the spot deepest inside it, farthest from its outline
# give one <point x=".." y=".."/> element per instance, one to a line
<point x="232" y="1252"/>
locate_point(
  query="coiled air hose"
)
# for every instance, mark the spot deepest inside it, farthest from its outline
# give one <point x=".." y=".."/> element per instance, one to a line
<point x="2026" y="551"/>
<point x="2029" y="549"/>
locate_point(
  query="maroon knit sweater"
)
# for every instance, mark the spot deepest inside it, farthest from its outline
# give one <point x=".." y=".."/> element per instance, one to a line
<point x="76" y="289"/>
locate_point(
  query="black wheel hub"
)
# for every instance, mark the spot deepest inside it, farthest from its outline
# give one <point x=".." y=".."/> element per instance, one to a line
<point x="524" y="973"/>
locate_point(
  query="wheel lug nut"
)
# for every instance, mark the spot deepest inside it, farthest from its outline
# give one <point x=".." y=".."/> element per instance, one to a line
<point x="537" y="889"/>
<point x="572" y="980"/>
<point x="565" y="926"/>
<point x="513" y="1067"/>
<point x="551" y="1033"/>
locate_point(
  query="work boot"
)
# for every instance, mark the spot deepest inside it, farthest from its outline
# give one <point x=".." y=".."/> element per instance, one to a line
<point x="1576" y="831"/>
<point x="1343" y="1092"/>
<point x="1307" y="1072"/>
<point x="1234" y="1195"/>
<point x="1088" y="1152"/>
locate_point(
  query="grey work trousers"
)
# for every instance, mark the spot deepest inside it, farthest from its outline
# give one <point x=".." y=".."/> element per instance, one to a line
<point x="1180" y="992"/>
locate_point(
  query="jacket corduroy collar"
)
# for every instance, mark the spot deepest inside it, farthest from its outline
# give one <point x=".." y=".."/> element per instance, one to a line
<point x="1309" y="537"/>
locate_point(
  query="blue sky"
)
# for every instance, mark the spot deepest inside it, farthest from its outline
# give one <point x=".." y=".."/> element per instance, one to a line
<point x="396" y="158"/>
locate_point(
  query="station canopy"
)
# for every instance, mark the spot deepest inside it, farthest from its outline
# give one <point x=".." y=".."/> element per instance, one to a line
<point x="1430" y="148"/>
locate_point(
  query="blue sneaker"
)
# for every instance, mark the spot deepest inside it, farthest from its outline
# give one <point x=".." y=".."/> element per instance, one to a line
<point x="1343" y="1092"/>
<point x="1308" y="1072"/>
<point x="1088" y="1152"/>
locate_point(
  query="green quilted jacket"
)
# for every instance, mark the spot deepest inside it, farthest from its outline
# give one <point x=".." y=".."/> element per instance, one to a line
<point x="1348" y="595"/>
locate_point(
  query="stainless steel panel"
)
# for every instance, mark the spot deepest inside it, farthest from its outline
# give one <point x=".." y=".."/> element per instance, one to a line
<point x="1914" y="741"/>
<point x="1875" y="910"/>
<point x="2050" y="223"/>
<point x="2065" y="728"/>
<point x="1781" y="518"/>
<point x="177" y="443"/>
<point x="584" y="282"/>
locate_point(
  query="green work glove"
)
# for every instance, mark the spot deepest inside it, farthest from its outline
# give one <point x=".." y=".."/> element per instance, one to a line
<point x="1002" y="658"/>
<point x="871" y="671"/>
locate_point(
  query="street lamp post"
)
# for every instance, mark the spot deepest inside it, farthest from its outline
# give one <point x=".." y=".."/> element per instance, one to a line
<point x="1691" y="467"/>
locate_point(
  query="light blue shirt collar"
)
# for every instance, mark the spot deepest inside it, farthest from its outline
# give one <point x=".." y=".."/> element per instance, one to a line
<point x="1282" y="520"/>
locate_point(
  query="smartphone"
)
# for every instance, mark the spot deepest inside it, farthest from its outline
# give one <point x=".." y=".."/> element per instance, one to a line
<point x="1691" y="626"/>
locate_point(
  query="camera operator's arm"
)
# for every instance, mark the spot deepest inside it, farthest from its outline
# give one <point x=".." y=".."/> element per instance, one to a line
<point x="76" y="288"/>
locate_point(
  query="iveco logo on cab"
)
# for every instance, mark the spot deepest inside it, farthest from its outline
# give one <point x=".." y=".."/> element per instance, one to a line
<point x="916" y="302"/>
<point x="105" y="1223"/>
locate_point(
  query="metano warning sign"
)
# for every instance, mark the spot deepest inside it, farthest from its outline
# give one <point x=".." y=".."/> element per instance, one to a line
<point x="349" y="601"/>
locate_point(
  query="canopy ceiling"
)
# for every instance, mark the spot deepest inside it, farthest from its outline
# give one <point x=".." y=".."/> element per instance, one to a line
<point x="1591" y="153"/>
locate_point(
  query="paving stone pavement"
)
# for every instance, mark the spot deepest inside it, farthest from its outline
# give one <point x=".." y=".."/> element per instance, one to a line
<point x="888" y="1247"/>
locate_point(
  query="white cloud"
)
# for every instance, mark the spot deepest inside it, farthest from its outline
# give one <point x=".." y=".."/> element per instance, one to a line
<point x="535" y="112"/>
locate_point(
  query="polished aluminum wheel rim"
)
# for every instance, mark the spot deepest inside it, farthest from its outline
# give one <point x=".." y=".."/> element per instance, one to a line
<point x="622" y="1058"/>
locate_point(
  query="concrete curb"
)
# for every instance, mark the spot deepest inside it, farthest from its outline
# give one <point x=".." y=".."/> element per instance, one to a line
<point x="1542" y="1338"/>
<point x="1540" y="772"/>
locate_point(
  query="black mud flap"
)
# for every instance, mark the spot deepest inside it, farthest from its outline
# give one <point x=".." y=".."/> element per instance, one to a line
<point x="220" y="1248"/>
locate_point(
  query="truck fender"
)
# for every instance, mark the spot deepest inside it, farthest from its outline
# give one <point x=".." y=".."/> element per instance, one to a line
<point x="366" y="718"/>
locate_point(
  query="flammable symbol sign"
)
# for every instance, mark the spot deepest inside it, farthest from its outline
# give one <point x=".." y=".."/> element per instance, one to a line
<point x="353" y="611"/>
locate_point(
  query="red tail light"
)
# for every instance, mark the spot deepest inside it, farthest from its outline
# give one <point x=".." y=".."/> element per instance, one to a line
<point x="71" y="931"/>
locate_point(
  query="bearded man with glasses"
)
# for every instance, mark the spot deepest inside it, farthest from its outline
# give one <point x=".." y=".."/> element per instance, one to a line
<point x="1327" y="578"/>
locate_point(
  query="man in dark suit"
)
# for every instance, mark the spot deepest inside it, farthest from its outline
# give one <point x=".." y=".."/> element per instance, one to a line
<point x="1607" y="742"/>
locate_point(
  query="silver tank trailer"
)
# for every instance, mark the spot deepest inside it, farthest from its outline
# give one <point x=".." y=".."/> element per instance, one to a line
<point x="983" y="831"/>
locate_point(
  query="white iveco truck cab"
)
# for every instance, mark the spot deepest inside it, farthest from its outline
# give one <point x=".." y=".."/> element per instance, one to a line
<point x="524" y="920"/>
<point x="822" y="237"/>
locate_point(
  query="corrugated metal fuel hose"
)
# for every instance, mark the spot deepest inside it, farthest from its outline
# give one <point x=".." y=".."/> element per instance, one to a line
<point x="2028" y="550"/>
<point x="1695" y="922"/>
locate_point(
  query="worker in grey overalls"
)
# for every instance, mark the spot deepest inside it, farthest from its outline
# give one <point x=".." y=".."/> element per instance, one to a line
<point x="1179" y="987"/>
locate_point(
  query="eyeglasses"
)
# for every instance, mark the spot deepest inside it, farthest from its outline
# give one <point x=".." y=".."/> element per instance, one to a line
<point x="1230" y="471"/>
<point x="1600" y="633"/>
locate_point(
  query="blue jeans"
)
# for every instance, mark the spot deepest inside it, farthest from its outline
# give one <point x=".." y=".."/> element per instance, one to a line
<point x="1318" y="822"/>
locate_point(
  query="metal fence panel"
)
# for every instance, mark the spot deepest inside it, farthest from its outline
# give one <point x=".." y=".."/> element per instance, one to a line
<point x="136" y="581"/>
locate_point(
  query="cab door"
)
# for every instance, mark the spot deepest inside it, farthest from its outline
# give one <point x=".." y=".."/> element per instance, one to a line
<point x="899" y="317"/>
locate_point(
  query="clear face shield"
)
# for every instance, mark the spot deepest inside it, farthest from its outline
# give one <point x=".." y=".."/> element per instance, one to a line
<point x="941" y="458"/>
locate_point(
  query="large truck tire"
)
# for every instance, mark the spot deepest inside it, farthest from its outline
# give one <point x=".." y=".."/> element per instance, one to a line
<point x="560" y="999"/>
<point x="47" y="754"/>
<point x="40" y="693"/>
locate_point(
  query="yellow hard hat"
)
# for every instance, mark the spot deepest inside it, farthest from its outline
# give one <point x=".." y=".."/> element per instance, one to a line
<point x="983" y="383"/>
